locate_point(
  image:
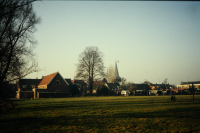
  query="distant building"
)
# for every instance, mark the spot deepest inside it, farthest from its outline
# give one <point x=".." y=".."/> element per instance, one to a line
<point x="82" y="86"/>
<point x="125" y="92"/>
<point x="98" y="84"/>
<point x="187" y="85"/>
<point x="153" y="92"/>
<point x="161" y="87"/>
<point x="112" y="86"/>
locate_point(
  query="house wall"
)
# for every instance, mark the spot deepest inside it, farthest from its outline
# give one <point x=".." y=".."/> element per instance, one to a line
<point x="35" y="91"/>
<point x="24" y="94"/>
<point x="189" y="85"/>
<point x="125" y="92"/>
<point x="183" y="86"/>
<point x="153" y="92"/>
<point x="52" y="86"/>
<point x="196" y="86"/>
<point x="42" y="87"/>
<point x="141" y="92"/>
<point x="17" y="94"/>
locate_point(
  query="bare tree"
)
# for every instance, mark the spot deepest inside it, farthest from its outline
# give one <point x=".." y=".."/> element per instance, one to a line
<point x="147" y="82"/>
<point x="124" y="84"/>
<point x="17" y="25"/>
<point x="110" y="73"/>
<point x="90" y="66"/>
<point x="165" y="81"/>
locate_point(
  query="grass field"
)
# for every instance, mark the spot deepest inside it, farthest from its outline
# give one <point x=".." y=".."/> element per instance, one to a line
<point x="104" y="114"/>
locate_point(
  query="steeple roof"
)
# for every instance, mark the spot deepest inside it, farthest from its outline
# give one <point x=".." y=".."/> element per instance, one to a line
<point x="116" y="72"/>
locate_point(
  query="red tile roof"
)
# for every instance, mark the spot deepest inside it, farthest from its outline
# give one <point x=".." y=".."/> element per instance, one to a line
<point x="78" y="81"/>
<point x="47" y="79"/>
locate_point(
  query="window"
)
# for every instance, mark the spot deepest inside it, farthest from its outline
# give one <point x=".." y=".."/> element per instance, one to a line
<point x="58" y="82"/>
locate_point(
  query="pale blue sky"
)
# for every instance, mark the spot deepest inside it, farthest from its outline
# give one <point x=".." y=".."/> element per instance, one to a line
<point x="151" y="40"/>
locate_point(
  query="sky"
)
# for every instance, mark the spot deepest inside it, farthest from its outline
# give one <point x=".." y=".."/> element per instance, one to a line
<point x="153" y="40"/>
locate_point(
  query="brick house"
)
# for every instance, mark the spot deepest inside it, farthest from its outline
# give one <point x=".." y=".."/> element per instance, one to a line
<point x="53" y="85"/>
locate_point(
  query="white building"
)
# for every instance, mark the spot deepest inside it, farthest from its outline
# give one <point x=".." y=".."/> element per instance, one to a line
<point x="187" y="85"/>
<point x="125" y="92"/>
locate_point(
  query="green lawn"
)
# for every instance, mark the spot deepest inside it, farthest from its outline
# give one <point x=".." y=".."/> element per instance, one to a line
<point x="104" y="114"/>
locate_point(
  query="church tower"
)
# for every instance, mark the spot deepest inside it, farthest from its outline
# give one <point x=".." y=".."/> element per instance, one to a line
<point x="117" y="77"/>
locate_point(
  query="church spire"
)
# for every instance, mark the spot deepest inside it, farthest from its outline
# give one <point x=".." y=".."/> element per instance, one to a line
<point x="116" y="70"/>
<point x="117" y="77"/>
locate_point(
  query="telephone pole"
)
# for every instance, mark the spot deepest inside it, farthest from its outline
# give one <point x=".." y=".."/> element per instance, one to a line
<point x="193" y="91"/>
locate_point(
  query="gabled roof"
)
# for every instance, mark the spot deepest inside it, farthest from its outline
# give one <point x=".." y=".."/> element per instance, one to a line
<point x="78" y="81"/>
<point x="47" y="79"/>
<point x="104" y="80"/>
<point x="111" y="86"/>
<point x="68" y="81"/>
<point x="100" y="81"/>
